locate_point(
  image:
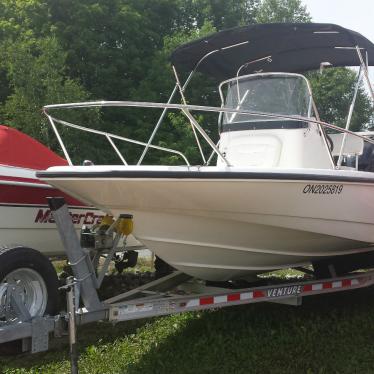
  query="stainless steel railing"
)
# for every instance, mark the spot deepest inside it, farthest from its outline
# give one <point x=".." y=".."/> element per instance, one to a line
<point x="186" y="110"/>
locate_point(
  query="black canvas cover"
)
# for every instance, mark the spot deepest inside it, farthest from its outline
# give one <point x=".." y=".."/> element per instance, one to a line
<point x="291" y="47"/>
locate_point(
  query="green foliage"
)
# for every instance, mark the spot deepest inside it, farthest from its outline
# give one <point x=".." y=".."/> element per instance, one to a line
<point x="108" y="43"/>
<point x="273" y="11"/>
<point x="23" y="18"/>
<point x="176" y="131"/>
<point x="94" y="51"/>
<point x="107" y="59"/>
<point x="221" y="14"/>
<point x="67" y="50"/>
<point x="36" y="75"/>
<point x="333" y="92"/>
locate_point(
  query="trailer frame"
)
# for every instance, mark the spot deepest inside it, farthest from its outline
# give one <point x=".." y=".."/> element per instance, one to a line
<point x="173" y="293"/>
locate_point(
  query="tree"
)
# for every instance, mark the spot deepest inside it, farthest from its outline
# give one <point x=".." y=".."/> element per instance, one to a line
<point x="69" y="50"/>
<point x="36" y="74"/>
<point x="333" y="92"/>
<point x="112" y="49"/>
<point x="18" y="19"/>
<point x="201" y="90"/>
<point x="274" y="11"/>
<point x="220" y="14"/>
<point x="117" y="54"/>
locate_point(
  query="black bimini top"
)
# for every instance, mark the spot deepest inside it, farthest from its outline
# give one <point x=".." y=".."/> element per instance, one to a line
<point x="279" y="47"/>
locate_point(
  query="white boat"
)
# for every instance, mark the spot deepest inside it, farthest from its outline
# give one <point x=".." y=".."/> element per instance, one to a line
<point x="282" y="193"/>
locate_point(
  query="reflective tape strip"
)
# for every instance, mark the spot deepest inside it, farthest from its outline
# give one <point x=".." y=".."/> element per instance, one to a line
<point x="307" y="288"/>
<point x="246" y="295"/>
<point x="355" y="282"/>
<point x="233" y="297"/>
<point x="317" y="287"/>
<point x="326" y="285"/>
<point x="257" y="294"/>
<point x="337" y="284"/>
<point x="207" y="300"/>
<point x="220" y="299"/>
<point x="193" y="302"/>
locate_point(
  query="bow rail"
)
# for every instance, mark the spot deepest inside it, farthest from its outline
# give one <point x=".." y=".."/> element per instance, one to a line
<point x="186" y="110"/>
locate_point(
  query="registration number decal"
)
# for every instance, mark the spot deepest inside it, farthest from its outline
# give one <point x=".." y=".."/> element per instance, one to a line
<point x="324" y="189"/>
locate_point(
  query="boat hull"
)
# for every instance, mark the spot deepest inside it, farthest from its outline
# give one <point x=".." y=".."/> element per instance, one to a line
<point x="233" y="225"/>
<point x="25" y="218"/>
<point x="33" y="226"/>
<point x="222" y="249"/>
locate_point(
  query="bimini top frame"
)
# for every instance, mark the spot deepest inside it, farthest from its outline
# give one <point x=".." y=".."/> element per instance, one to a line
<point x="285" y="47"/>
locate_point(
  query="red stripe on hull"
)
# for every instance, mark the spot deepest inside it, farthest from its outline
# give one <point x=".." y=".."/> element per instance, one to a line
<point x="14" y="194"/>
<point x="21" y="179"/>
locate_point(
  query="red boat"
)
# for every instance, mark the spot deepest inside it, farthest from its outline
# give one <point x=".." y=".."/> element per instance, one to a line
<point x="25" y="218"/>
<point x="28" y="234"/>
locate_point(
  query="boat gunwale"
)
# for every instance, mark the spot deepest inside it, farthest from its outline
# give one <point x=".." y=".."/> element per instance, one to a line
<point x="202" y="175"/>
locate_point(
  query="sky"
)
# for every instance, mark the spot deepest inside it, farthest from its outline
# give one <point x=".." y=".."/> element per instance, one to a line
<point x="357" y="15"/>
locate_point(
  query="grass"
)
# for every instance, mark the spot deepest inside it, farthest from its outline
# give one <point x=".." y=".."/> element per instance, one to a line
<point x="327" y="334"/>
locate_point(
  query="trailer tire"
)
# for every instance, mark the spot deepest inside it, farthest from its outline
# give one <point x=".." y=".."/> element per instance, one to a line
<point x="19" y="261"/>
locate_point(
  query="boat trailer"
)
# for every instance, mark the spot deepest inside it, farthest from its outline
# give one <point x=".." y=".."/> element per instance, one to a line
<point x="173" y="293"/>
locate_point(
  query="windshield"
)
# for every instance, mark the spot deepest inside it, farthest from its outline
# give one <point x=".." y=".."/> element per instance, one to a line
<point x="277" y="94"/>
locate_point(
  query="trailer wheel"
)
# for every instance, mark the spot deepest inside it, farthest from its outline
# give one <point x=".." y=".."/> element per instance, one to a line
<point x="33" y="277"/>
